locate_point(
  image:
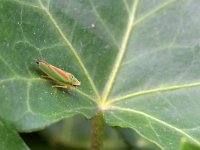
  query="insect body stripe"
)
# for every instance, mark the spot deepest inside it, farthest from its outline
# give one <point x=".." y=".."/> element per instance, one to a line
<point x="40" y="62"/>
<point x="57" y="71"/>
<point x="60" y="72"/>
<point x="70" y="76"/>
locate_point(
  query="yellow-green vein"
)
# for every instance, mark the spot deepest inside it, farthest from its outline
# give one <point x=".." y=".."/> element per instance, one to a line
<point x="126" y="6"/>
<point x="155" y="119"/>
<point x="128" y="124"/>
<point x="120" y="56"/>
<point x="67" y="42"/>
<point x="152" y="91"/>
<point x="25" y="4"/>
<point x="85" y="95"/>
<point x="167" y="3"/>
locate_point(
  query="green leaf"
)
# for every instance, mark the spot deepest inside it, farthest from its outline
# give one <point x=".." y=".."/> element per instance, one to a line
<point x="135" y="141"/>
<point x="28" y="101"/>
<point x="10" y="139"/>
<point x="187" y="145"/>
<point x="138" y="63"/>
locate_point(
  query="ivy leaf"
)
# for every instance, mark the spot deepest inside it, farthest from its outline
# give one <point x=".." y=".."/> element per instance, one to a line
<point x="187" y="145"/>
<point x="135" y="141"/>
<point x="10" y="139"/>
<point x="138" y="63"/>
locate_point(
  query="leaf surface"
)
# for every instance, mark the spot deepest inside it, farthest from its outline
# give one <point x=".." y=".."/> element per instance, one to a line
<point x="10" y="139"/>
<point x="138" y="62"/>
<point x="187" y="145"/>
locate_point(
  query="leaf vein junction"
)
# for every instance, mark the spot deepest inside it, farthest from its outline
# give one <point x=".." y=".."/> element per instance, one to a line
<point x="151" y="13"/>
<point x="153" y="129"/>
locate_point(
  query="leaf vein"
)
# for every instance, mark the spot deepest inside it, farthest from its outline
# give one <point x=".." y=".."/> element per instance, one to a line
<point x="35" y="79"/>
<point x="25" y="4"/>
<point x="71" y="48"/>
<point x="126" y="6"/>
<point x="134" y="128"/>
<point x="156" y="90"/>
<point x="157" y="120"/>
<point x="153" y="129"/>
<point x="153" y="12"/>
<point x="122" y="51"/>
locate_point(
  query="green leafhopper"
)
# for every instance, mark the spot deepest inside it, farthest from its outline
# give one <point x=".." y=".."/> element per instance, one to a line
<point x="63" y="78"/>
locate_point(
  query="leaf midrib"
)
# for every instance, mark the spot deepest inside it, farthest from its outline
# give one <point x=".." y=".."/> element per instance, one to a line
<point x="131" y="23"/>
<point x="112" y="77"/>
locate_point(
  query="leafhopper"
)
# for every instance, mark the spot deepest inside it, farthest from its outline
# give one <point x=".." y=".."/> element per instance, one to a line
<point x="63" y="78"/>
